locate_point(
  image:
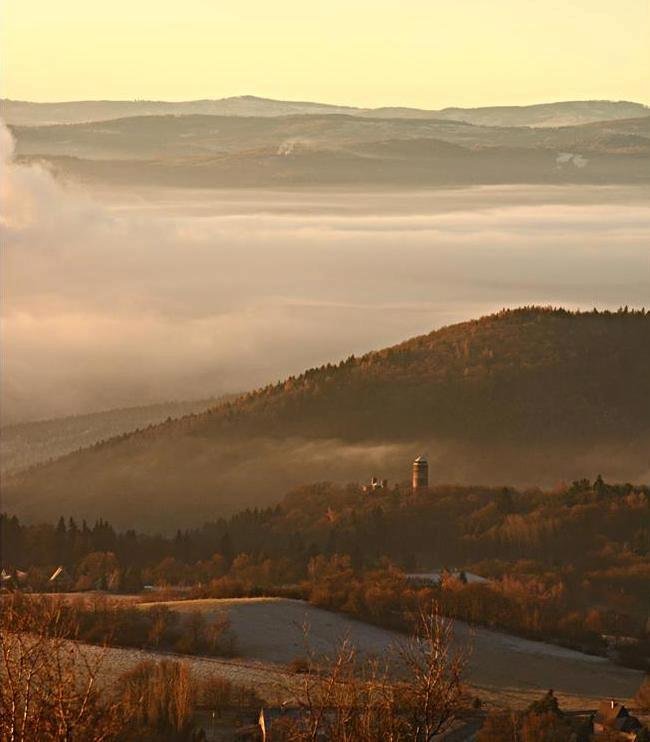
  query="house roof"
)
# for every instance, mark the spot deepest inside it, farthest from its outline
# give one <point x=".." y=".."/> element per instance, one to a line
<point x="614" y="715"/>
<point x="610" y="710"/>
<point x="15" y="574"/>
<point x="58" y="572"/>
<point x="627" y="724"/>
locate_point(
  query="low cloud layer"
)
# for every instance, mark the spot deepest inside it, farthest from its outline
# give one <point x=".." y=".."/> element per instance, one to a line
<point x="113" y="299"/>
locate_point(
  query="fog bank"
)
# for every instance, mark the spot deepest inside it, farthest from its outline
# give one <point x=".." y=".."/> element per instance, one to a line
<point x="115" y="299"/>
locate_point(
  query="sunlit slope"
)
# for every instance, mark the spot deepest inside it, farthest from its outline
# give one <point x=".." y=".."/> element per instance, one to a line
<point x="530" y="373"/>
<point x="527" y="396"/>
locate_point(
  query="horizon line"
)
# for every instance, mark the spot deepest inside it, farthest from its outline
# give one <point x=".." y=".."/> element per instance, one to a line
<point x="316" y="102"/>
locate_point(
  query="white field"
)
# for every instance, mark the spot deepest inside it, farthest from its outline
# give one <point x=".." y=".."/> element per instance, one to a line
<point x="503" y="669"/>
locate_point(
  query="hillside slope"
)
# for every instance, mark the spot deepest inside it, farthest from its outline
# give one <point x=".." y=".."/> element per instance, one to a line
<point x="228" y="151"/>
<point x="543" y="114"/>
<point x="159" y="137"/>
<point x="27" y="443"/>
<point x="337" y="168"/>
<point x="529" y="374"/>
<point x="525" y="396"/>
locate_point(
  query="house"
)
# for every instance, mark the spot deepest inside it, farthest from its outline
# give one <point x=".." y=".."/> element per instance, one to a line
<point x="614" y="717"/>
<point x="10" y="580"/>
<point x="437" y="576"/>
<point x="6" y="580"/>
<point x="60" y="579"/>
<point x="375" y="485"/>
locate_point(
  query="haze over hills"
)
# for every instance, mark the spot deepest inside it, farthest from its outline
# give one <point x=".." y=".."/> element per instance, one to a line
<point x="28" y="443"/>
<point x="409" y="329"/>
<point x="155" y="137"/>
<point x="565" y="113"/>
<point x="118" y="297"/>
<point x="522" y="397"/>
<point x="335" y="149"/>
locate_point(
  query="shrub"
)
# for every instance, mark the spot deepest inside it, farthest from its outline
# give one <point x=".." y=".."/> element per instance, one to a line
<point x="218" y="694"/>
<point x="299" y="666"/>
<point x="161" y="698"/>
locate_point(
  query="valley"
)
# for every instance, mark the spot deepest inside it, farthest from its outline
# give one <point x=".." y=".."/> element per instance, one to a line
<point x="546" y="384"/>
<point x="325" y="371"/>
<point x="257" y="143"/>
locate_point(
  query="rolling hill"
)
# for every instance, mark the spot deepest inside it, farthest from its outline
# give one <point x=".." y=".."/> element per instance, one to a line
<point x="155" y="137"/>
<point x="335" y="149"/>
<point x="545" y="114"/>
<point x="307" y="168"/>
<point x="528" y="396"/>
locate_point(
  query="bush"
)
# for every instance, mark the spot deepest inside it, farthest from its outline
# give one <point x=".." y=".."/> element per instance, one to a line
<point x="218" y="694"/>
<point x="196" y="635"/>
<point x="161" y="700"/>
<point x="299" y="666"/>
<point x="542" y="722"/>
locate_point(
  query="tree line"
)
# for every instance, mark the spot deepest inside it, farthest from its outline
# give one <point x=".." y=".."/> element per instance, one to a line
<point x="569" y="565"/>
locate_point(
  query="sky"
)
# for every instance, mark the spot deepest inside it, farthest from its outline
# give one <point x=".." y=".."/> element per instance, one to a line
<point x="424" y="53"/>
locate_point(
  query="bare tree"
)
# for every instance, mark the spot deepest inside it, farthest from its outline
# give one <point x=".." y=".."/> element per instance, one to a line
<point x="348" y="699"/>
<point x="340" y="698"/>
<point x="433" y="692"/>
<point x="161" y="699"/>
<point x="49" y="687"/>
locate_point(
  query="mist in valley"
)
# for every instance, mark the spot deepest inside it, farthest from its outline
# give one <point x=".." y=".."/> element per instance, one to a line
<point x="219" y="477"/>
<point x="120" y="297"/>
<point x="339" y="311"/>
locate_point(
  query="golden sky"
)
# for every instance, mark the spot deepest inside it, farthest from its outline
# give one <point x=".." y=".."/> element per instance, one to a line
<point x="426" y="53"/>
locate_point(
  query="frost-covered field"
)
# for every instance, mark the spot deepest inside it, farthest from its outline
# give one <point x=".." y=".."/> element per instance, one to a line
<point x="503" y="669"/>
<point x="272" y="683"/>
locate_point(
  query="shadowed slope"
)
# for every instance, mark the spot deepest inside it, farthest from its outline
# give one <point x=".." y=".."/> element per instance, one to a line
<point x="525" y="396"/>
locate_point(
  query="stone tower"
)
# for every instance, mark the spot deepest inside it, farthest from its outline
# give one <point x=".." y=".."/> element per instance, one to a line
<point x="420" y="474"/>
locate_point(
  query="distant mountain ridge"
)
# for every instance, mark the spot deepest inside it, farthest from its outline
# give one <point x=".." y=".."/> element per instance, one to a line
<point x="25" y="113"/>
<point x="530" y="395"/>
<point x="206" y="151"/>
<point x="193" y="136"/>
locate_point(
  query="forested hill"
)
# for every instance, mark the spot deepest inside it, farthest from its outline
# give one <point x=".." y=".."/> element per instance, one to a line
<point x="529" y="396"/>
<point x="532" y="372"/>
<point x="27" y="443"/>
